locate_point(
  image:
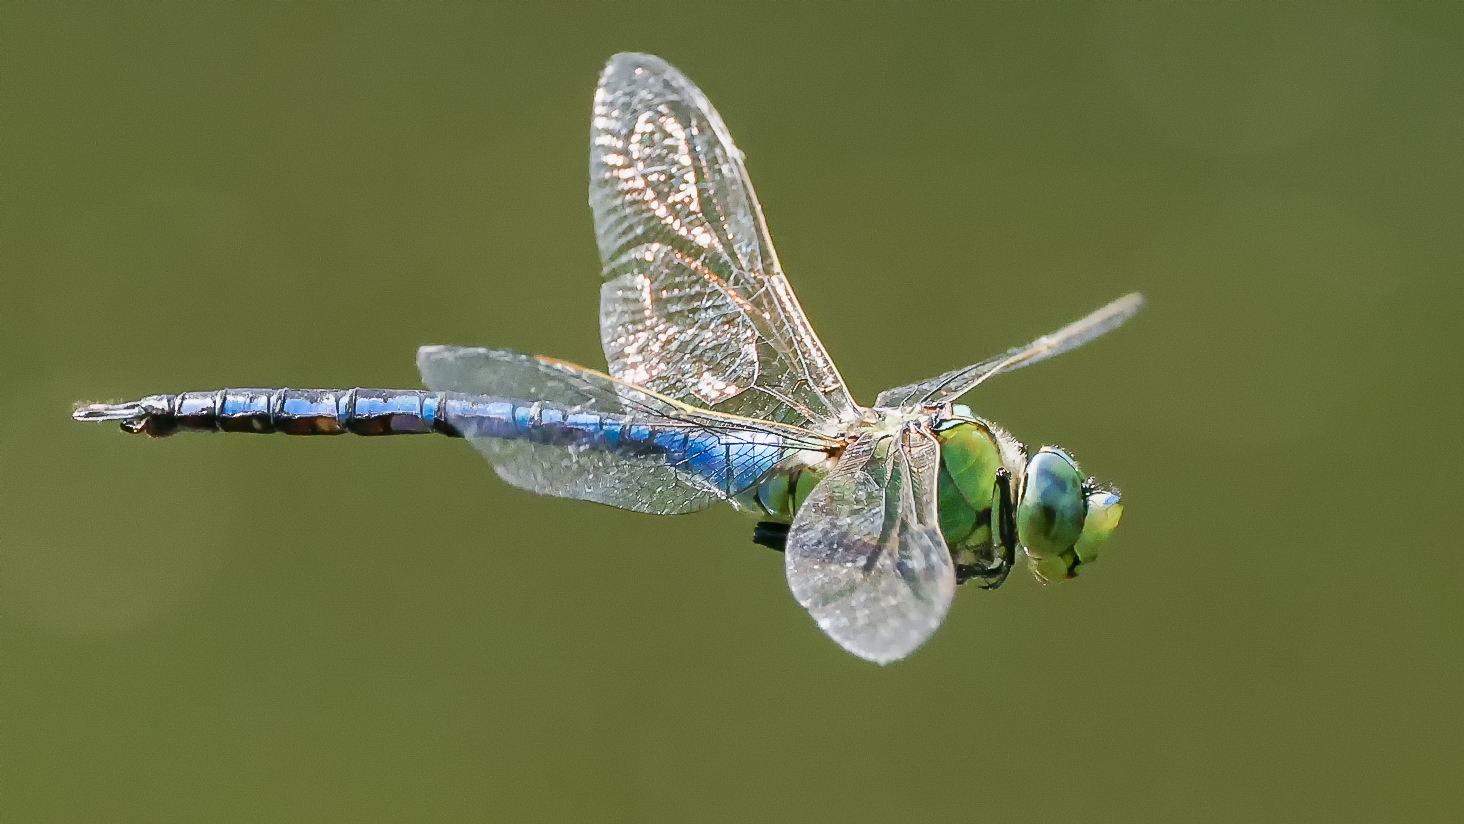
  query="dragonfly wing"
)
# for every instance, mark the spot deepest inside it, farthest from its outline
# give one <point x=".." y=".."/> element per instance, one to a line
<point x="865" y="555"/>
<point x="695" y="305"/>
<point x="640" y="482"/>
<point x="954" y="384"/>
<point x="637" y="484"/>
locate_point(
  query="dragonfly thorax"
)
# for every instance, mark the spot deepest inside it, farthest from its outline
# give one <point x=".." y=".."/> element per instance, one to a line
<point x="979" y="466"/>
<point x="780" y="493"/>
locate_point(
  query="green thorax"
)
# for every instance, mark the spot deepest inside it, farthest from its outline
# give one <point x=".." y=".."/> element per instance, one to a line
<point x="969" y="460"/>
<point x="966" y="492"/>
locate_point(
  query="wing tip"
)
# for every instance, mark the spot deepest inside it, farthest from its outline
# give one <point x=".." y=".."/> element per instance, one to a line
<point x="621" y="61"/>
<point x="884" y="660"/>
<point x="886" y="654"/>
<point x="1111" y="316"/>
<point x="1125" y="307"/>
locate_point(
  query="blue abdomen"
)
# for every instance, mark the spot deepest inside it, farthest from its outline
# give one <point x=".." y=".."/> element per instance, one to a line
<point x="728" y="460"/>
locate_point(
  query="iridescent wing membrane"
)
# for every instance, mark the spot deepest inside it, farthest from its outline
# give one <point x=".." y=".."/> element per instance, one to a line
<point x="865" y="555"/>
<point x="694" y="305"/>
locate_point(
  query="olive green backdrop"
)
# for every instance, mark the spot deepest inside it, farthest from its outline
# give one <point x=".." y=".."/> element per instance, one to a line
<point x="235" y="628"/>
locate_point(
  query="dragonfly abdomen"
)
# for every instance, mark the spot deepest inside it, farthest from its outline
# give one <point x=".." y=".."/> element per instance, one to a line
<point x="730" y="461"/>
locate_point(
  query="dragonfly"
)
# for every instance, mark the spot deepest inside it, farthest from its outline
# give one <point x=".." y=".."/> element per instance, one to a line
<point x="717" y="389"/>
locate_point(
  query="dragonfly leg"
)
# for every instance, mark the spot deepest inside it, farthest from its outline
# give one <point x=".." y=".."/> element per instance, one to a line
<point x="771" y="534"/>
<point x="986" y="576"/>
<point x="993" y="571"/>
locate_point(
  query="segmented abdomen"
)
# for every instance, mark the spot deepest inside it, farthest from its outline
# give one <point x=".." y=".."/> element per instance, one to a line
<point x="731" y="461"/>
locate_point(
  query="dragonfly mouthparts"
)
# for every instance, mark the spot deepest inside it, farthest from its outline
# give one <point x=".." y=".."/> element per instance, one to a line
<point x="109" y="411"/>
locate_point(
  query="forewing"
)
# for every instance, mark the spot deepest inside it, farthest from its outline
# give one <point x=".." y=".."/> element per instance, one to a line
<point x="954" y="384"/>
<point x="865" y="555"/>
<point x="639" y="482"/>
<point x="694" y="305"/>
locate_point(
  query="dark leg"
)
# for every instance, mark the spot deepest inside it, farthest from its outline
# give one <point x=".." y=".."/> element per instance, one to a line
<point x="1006" y="521"/>
<point x="770" y="534"/>
<point x="986" y="576"/>
<point x="993" y="572"/>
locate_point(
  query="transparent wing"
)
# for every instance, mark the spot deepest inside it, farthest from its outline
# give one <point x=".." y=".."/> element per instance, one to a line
<point x="952" y="385"/>
<point x="640" y="482"/>
<point x="865" y="555"/>
<point x="694" y="305"/>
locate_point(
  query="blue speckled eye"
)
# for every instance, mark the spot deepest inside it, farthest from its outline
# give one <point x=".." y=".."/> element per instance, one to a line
<point x="1104" y="510"/>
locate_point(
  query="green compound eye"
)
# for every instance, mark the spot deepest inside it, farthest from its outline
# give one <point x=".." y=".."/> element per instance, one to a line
<point x="1051" y="513"/>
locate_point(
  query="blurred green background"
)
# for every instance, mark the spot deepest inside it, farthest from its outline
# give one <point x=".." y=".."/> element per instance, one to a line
<point x="272" y="629"/>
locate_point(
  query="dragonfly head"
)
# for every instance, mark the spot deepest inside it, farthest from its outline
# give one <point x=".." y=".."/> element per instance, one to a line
<point x="1062" y="515"/>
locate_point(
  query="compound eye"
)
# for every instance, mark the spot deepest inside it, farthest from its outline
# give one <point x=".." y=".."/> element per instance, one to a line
<point x="1051" y="513"/>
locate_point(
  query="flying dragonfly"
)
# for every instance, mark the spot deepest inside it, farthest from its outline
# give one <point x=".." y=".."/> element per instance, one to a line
<point x="717" y="389"/>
